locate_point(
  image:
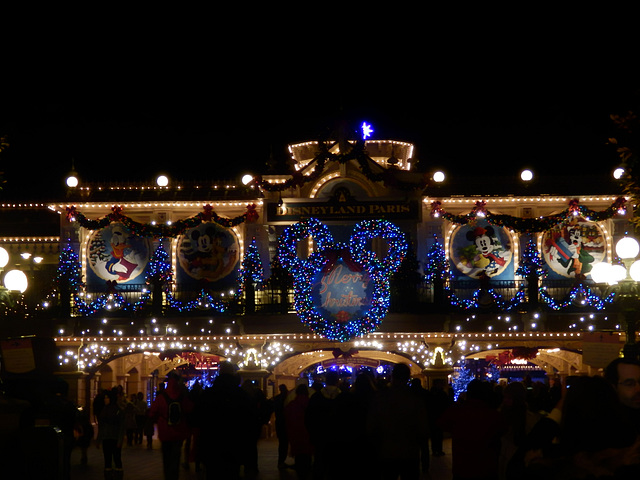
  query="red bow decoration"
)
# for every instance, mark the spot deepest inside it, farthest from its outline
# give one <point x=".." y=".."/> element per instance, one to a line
<point x="620" y="205"/>
<point x="480" y="208"/>
<point x="252" y="214"/>
<point x="502" y="359"/>
<point x="333" y="255"/>
<point x="207" y="212"/>
<point x="298" y="178"/>
<point x="436" y="208"/>
<point x="525" y="353"/>
<point x="71" y="213"/>
<point x="117" y="211"/>
<point x="574" y="206"/>
<point x="338" y="352"/>
<point x="111" y="286"/>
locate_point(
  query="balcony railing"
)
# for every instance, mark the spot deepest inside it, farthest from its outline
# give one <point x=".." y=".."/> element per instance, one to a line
<point x="404" y="298"/>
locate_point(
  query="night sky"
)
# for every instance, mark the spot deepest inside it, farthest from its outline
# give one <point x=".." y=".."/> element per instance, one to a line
<point x="129" y="117"/>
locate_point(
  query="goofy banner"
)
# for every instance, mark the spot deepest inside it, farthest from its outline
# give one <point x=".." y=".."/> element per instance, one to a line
<point x="573" y="249"/>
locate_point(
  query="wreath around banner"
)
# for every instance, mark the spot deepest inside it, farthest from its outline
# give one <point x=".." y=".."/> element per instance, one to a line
<point x="355" y="253"/>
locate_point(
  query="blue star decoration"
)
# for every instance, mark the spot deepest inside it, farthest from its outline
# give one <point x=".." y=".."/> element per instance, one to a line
<point x="367" y="130"/>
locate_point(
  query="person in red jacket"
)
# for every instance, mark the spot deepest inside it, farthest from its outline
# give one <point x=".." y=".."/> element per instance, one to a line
<point x="172" y="420"/>
<point x="475" y="426"/>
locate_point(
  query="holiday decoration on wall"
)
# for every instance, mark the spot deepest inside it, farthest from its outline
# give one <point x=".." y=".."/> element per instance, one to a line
<point x="481" y="250"/>
<point x="69" y="274"/>
<point x="208" y="252"/>
<point x="342" y="291"/>
<point x="151" y="230"/>
<point x="531" y="262"/>
<point x="573" y="249"/>
<point x="437" y="266"/>
<point x="114" y="253"/>
<point x="251" y="269"/>
<point x="531" y="225"/>
<point x="160" y="272"/>
<point x="356" y="151"/>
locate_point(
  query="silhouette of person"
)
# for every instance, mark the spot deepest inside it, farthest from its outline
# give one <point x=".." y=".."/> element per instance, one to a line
<point x="84" y="433"/>
<point x="281" y="427"/>
<point x="586" y="436"/>
<point x="111" y="435"/>
<point x="624" y="375"/>
<point x="358" y="402"/>
<point x="518" y="419"/>
<point x="297" y="433"/>
<point x="223" y="409"/>
<point x="323" y="421"/>
<point x="172" y="434"/>
<point x="475" y="427"/>
<point x="63" y="413"/>
<point x="397" y="423"/>
<point x="257" y="416"/>
<point x="439" y="402"/>
<point x="141" y="410"/>
<point x="424" y="396"/>
<point x="130" y="419"/>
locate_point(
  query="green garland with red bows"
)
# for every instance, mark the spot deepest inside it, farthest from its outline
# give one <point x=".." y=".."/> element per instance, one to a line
<point x="530" y="225"/>
<point x="357" y="152"/>
<point x="150" y="230"/>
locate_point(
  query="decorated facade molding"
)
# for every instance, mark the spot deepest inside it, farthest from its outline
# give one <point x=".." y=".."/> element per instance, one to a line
<point x="530" y="225"/>
<point x="316" y="167"/>
<point x="161" y="230"/>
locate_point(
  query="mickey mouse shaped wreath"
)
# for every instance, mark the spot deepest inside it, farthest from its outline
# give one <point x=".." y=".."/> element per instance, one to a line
<point x="342" y="291"/>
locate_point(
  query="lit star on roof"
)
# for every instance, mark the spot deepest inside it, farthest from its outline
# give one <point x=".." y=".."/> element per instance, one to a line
<point x="367" y="130"/>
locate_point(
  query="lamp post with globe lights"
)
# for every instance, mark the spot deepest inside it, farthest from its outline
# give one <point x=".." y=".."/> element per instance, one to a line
<point x="623" y="281"/>
<point x="14" y="282"/>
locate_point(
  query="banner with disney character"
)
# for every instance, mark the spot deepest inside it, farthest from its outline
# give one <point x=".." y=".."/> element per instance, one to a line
<point x="115" y="254"/>
<point x="482" y="250"/>
<point x="208" y="252"/>
<point x="572" y="249"/>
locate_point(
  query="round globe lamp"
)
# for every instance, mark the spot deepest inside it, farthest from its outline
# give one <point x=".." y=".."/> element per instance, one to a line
<point x="162" y="181"/>
<point x="72" y="181"/>
<point x="601" y="272"/>
<point x="247" y="179"/>
<point x="634" y="270"/>
<point x="526" y="175"/>
<point x="618" y="173"/>
<point x="16" y="280"/>
<point x="617" y="274"/>
<point x="4" y="257"/>
<point x="627" y="248"/>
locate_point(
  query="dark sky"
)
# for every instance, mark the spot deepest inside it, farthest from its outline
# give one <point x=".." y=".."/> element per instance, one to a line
<point x="132" y="114"/>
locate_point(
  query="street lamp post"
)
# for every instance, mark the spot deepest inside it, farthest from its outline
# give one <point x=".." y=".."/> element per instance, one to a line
<point x="623" y="280"/>
<point x="14" y="282"/>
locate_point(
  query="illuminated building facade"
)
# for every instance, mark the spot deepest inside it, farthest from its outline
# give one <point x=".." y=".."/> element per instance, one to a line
<point x="138" y="280"/>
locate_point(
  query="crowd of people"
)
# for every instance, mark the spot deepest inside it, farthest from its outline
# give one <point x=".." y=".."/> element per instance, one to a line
<point x="590" y="428"/>
<point x="587" y="427"/>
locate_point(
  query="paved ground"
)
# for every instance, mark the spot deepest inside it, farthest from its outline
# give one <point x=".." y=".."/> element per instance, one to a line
<point x="142" y="464"/>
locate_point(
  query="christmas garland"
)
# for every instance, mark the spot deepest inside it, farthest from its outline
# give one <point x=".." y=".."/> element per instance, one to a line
<point x="150" y="230"/>
<point x="357" y="153"/>
<point x="530" y="225"/>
